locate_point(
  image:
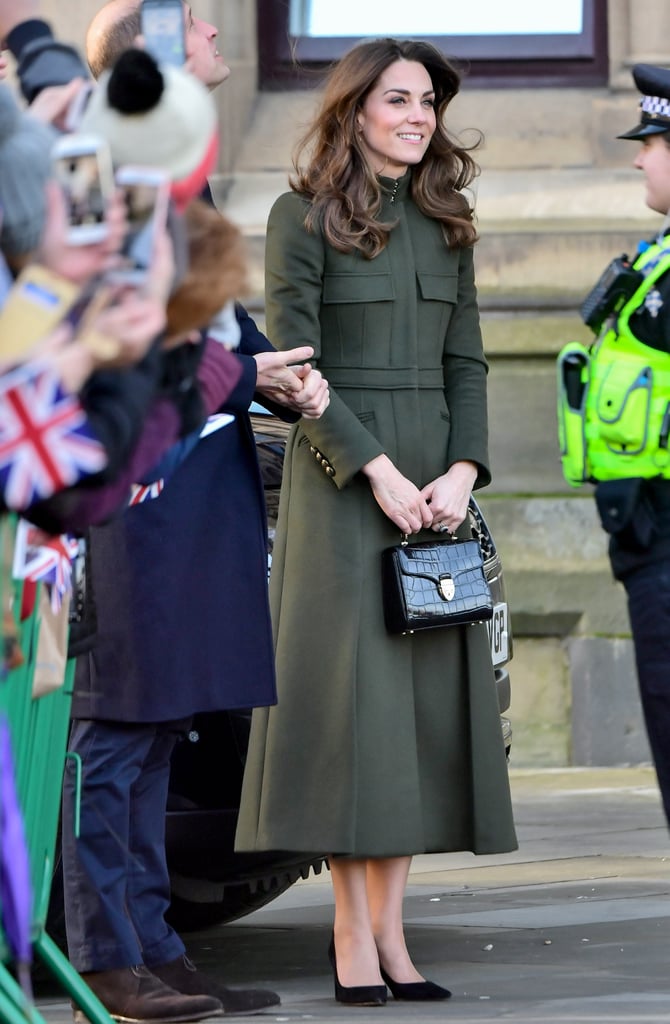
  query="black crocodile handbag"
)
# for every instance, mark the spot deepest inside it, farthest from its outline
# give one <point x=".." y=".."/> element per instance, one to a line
<point x="435" y="583"/>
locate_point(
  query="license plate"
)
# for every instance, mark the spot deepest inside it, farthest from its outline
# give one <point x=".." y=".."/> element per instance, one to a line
<point x="498" y="634"/>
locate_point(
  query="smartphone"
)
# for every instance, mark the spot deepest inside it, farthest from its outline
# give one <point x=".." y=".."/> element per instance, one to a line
<point x="163" y="30"/>
<point x="77" y="108"/>
<point x="145" y="191"/>
<point x="6" y="280"/>
<point x="35" y="305"/>
<point x="83" y="167"/>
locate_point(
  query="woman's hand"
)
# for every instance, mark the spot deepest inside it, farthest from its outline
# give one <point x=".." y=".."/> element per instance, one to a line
<point x="397" y="497"/>
<point x="449" y="494"/>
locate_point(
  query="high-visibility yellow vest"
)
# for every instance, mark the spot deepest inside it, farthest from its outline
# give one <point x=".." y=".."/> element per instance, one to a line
<point x="614" y="396"/>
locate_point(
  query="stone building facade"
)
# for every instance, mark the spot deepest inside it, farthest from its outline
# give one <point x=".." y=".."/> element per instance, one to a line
<point x="635" y="33"/>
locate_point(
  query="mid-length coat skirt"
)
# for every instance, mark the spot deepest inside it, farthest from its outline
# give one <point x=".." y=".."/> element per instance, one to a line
<point x="381" y="745"/>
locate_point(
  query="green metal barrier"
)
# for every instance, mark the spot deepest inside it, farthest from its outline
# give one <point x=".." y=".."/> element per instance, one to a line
<point x="39" y="730"/>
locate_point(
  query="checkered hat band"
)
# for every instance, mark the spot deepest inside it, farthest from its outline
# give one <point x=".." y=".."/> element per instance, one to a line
<point x="656" y="107"/>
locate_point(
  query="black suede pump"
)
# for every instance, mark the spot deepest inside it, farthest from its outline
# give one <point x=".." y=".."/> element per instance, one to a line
<point x="355" y="995"/>
<point x="417" y="991"/>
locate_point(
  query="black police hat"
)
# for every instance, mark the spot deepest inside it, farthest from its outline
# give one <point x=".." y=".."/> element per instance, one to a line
<point x="654" y="84"/>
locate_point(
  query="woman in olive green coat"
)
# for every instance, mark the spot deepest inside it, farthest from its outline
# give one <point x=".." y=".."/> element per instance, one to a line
<point x="381" y="746"/>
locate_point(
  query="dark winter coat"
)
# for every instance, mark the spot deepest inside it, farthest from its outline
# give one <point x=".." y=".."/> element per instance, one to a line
<point x="379" y="745"/>
<point x="180" y="584"/>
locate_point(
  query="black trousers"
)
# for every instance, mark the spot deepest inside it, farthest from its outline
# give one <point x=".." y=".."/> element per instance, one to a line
<point x="648" y="590"/>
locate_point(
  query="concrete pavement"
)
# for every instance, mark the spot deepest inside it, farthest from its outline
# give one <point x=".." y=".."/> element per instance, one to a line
<point x="574" y="926"/>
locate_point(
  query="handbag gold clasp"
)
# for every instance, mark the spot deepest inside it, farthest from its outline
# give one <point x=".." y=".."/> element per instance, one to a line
<point x="447" y="587"/>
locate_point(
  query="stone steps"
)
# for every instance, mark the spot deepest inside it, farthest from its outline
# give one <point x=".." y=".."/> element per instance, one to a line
<point x="545" y="235"/>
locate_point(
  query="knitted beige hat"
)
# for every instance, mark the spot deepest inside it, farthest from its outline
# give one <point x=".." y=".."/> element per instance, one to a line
<point x="153" y="116"/>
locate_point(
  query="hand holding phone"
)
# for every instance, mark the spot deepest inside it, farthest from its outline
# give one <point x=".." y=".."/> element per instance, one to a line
<point x="163" y="30"/>
<point x="62" y="105"/>
<point x="77" y="107"/>
<point x="145" y="192"/>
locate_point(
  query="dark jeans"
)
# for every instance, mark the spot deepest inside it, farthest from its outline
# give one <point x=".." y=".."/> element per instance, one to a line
<point x="648" y="592"/>
<point x="116" y="881"/>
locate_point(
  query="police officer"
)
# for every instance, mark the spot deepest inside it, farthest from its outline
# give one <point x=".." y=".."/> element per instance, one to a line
<point x="635" y="510"/>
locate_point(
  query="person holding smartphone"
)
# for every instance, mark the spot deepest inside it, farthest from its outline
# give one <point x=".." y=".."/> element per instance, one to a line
<point x="214" y="647"/>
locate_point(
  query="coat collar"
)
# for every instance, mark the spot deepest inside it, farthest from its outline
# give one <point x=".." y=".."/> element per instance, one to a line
<point x="396" y="188"/>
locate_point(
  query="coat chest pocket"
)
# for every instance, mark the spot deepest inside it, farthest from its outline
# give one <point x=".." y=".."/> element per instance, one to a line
<point x="438" y="293"/>
<point x="346" y="288"/>
<point x="356" y="308"/>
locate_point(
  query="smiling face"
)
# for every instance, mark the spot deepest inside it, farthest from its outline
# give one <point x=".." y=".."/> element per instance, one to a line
<point x="397" y="119"/>
<point x="206" y="63"/>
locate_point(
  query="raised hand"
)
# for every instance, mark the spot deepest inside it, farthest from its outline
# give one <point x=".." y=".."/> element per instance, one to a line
<point x="52" y="105"/>
<point x="79" y="263"/>
<point x="124" y="330"/>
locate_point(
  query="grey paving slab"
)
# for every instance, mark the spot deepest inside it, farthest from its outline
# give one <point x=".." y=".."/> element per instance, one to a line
<point x="573" y="927"/>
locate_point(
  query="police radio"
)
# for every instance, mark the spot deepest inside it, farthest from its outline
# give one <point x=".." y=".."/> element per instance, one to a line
<point x="615" y="286"/>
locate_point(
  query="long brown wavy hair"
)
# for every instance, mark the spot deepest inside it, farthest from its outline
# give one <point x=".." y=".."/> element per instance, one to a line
<point x="344" y="191"/>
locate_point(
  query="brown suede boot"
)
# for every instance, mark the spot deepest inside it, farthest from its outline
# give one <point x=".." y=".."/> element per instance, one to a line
<point x="182" y="975"/>
<point x="135" y="994"/>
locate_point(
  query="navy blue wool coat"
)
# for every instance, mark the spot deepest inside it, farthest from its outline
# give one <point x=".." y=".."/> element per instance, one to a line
<point x="180" y="584"/>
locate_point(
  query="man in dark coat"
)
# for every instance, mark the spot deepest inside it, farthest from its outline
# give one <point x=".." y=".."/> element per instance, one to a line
<point x="179" y="586"/>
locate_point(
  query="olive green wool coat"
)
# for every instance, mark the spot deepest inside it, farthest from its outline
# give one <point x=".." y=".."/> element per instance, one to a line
<point x="379" y="745"/>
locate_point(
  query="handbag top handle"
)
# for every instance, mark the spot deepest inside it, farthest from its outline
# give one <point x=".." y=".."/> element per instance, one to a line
<point x="445" y="535"/>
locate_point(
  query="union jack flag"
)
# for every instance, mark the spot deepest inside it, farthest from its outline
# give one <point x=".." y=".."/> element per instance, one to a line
<point x="46" y="442"/>
<point x="146" y="492"/>
<point x="39" y="557"/>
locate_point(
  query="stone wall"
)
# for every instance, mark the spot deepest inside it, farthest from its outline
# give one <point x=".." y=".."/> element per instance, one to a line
<point x="635" y="31"/>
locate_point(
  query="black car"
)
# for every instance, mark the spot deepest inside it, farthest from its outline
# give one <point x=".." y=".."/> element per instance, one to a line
<point x="210" y="882"/>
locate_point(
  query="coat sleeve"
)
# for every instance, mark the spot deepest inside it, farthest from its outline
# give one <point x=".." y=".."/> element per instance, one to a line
<point x="294" y="264"/>
<point x="465" y="371"/>
<point x="252" y="341"/>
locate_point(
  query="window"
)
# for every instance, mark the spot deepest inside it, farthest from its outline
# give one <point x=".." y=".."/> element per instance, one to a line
<point x="318" y="18"/>
<point x="519" y="42"/>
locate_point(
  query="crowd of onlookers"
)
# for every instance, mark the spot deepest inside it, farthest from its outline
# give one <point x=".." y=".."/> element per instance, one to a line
<point x="121" y="353"/>
<point x="126" y="371"/>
